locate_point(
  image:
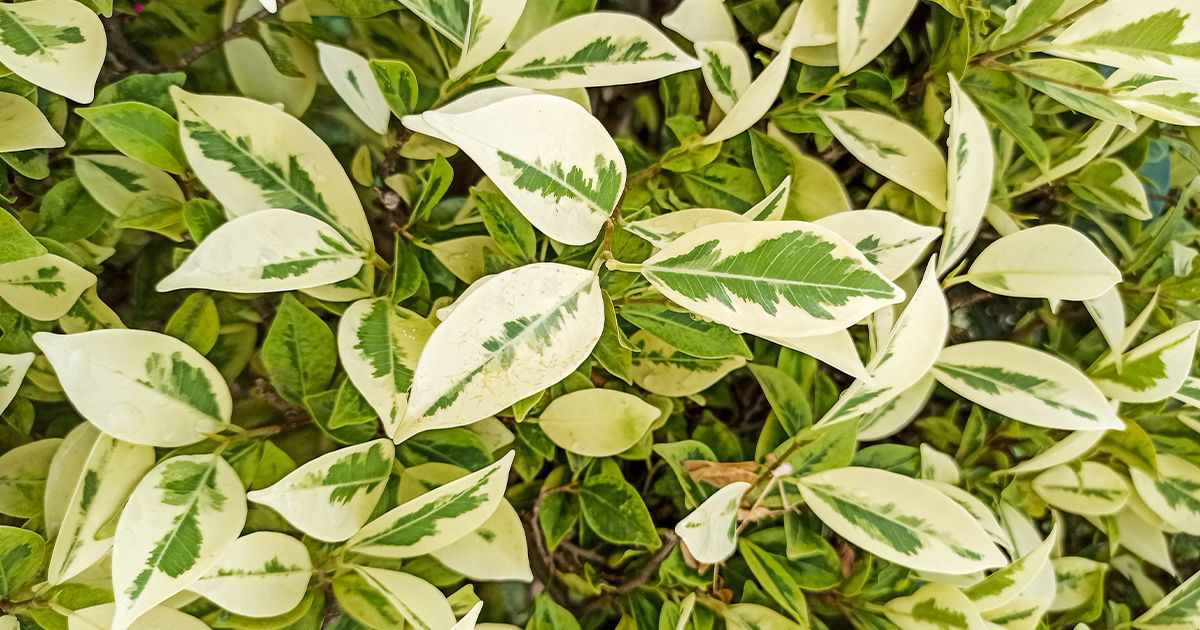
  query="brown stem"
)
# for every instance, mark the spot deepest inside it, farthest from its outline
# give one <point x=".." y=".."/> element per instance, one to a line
<point x="1078" y="13"/>
<point x="641" y="579"/>
<point x="121" y="48"/>
<point x="387" y="165"/>
<point x="198" y="51"/>
<point x="296" y="416"/>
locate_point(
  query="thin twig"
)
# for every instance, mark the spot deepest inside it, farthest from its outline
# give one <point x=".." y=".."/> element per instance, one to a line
<point x="641" y="579"/>
<point x="198" y="51"/>
<point x="1078" y="13"/>
<point x="1046" y="79"/>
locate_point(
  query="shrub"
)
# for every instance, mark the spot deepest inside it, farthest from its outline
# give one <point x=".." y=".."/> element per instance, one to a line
<point x="360" y="314"/>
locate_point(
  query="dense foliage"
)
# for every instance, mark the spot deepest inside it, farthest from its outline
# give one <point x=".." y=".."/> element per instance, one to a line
<point x="450" y="314"/>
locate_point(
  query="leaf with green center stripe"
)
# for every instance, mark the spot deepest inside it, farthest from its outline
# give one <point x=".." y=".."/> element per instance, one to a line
<point x="21" y="554"/>
<point x="1179" y="610"/>
<point x="387" y="599"/>
<point x="973" y="161"/>
<point x="1078" y="580"/>
<point x="331" y="497"/>
<point x="133" y="192"/>
<point x="262" y="575"/>
<point x="379" y="345"/>
<point x="1008" y="583"/>
<point x="661" y="368"/>
<point x="597" y="422"/>
<point x="1092" y="490"/>
<point x="775" y="579"/>
<point x="255" y="157"/>
<point x="1159" y="37"/>
<point x="756" y="617"/>
<point x="516" y="335"/>
<point x="1051" y="76"/>
<point x="140" y="386"/>
<point x="900" y="519"/>
<point x="437" y="518"/>
<point x="865" y="28"/>
<point x="57" y="45"/>
<point x="934" y="607"/>
<point x="1022" y="613"/>
<point x="1152" y="371"/>
<point x="888" y="241"/>
<point x="110" y="471"/>
<point x="398" y="84"/>
<point x="1172" y="102"/>
<point x="351" y="76"/>
<point x="770" y="277"/>
<point x="1025" y="384"/>
<point x="489" y="23"/>
<point x="267" y="251"/>
<point x="893" y="149"/>
<point x="495" y="551"/>
<point x="754" y="102"/>
<point x="710" y="531"/>
<point x="565" y="178"/>
<point x="903" y="358"/>
<point x="772" y="207"/>
<point x="12" y="372"/>
<point x="687" y="333"/>
<point x="44" y="287"/>
<point x="820" y="448"/>
<point x="593" y="50"/>
<point x="1189" y="392"/>
<point x="183" y="516"/>
<point x="615" y="511"/>
<point x="1112" y="185"/>
<point x="1174" y="495"/>
<point x="726" y="70"/>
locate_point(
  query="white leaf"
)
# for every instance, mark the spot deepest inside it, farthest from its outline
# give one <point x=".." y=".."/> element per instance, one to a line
<point x="894" y="149"/>
<point x="866" y="28"/>
<point x="753" y="104"/>
<point x="709" y="531"/>
<point x="489" y="22"/>
<point x="350" y="75"/>
<point x="1109" y="313"/>
<point x="495" y="551"/>
<point x="702" y="21"/>
<point x="1152" y="371"/>
<point x="1172" y="102"/>
<point x="661" y="230"/>
<point x="1065" y="450"/>
<point x="772" y="207"/>
<point x="835" y="349"/>
<point x="1093" y="489"/>
<point x="972" y="163"/>
<point x="157" y="618"/>
<point x="140" y="386"/>
<point x="262" y="575"/>
<point x="12" y="371"/>
<point x="43" y="287"/>
<point x="1047" y="261"/>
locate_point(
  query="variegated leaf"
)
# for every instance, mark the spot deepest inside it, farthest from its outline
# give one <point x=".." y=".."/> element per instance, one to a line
<point x="418" y="602"/>
<point x="379" y="345"/>
<point x="267" y="251"/>
<point x="894" y="149"/>
<point x="134" y="192"/>
<point x="867" y="27"/>
<point x="1047" y="261"/>
<point x="57" y="45"/>
<point x="752" y="104"/>
<point x="1089" y="145"/>
<point x="887" y="240"/>
<point x="520" y="333"/>
<point x="1179" y="610"/>
<point x="710" y="531"/>
<point x="972" y="162"/>
<point x="899" y="519"/>
<point x="660" y="368"/>
<point x="25" y="127"/>
<point x="772" y="207"/>
<point x="496" y="550"/>
<point x="158" y="618"/>
<point x="1189" y="392"/>
<point x="1174" y="495"/>
<point x="725" y="67"/>
<point x="1025" y="384"/>
<point x="1112" y="185"/>
<point x="12" y="371"/>
<point x="661" y="230"/>
<point x="1063" y="451"/>
<point x="140" y="386"/>
<point x="1172" y="102"/>
<point x="351" y="77"/>
<point x="262" y="575"/>
<point x="702" y="21"/>
<point x="595" y="49"/>
<point x="934" y="607"/>
<point x="331" y="497"/>
<point x="835" y="349"/>
<point x="183" y="516"/>
<point x="1093" y="489"/>
<point x="255" y="157"/>
<point x="1077" y="580"/>
<point x="110" y="471"/>
<point x="909" y="351"/>
<point x="437" y="518"/>
<point x="816" y="283"/>
<point x="897" y="413"/>
<point x="1022" y="613"/>
<point x="597" y="422"/>
<point x="974" y="506"/>
<point x="1151" y="371"/>
<point x="44" y="287"/>
<point x="1052" y="76"/>
<point x="1108" y="310"/>
<point x="1005" y="585"/>
<point x="1159" y="37"/>
<point x="564" y="177"/>
<point x="489" y="22"/>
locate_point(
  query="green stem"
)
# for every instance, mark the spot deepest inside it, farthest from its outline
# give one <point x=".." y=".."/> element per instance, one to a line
<point x="787" y="108"/>
<point x="1103" y="91"/>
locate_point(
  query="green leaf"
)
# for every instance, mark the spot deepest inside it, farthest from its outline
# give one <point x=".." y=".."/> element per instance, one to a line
<point x="510" y="229"/>
<point x="141" y="131"/>
<point x="196" y="323"/>
<point x="691" y="335"/>
<point x="21" y="554"/>
<point x="436" y="184"/>
<point x="299" y="352"/>
<point x="398" y="83"/>
<point x="616" y="512"/>
<point x="786" y="398"/>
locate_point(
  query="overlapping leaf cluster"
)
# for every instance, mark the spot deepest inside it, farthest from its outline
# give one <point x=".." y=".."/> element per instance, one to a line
<point x="746" y="315"/>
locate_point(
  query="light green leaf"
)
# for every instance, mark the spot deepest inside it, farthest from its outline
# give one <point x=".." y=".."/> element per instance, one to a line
<point x="101" y="617"/>
<point x="263" y="574"/>
<point x="565" y="179"/>
<point x="196" y="322"/>
<point x="521" y="332"/>
<point x="661" y="368"/>
<point x="702" y="21"/>
<point x="1151" y="371"/>
<point x="416" y="601"/>
<point x="661" y="230"/>
<point x="688" y="334"/>
<point x="894" y="149"/>
<point x="887" y="240"/>
<point x="21" y="554"/>
<point x="379" y="345"/>
<point x="58" y="45"/>
<point x="710" y="531"/>
<point x="1097" y="106"/>
<point x="351" y="76"/>
<point x="1005" y="585"/>
<point x="1025" y="384"/>
<point x="1156" y="37"/>
<point x="769" y="570"/>
<point x="816" y="282"/>
<point x="183" y="516"/>
<point x="752" y="104"/>
<point x="267" y="251"/>
<point x="1113" y="186"/>
<point x="1093" y="489"/>
<point x="836" y="349"/>
<point x="592" y="50"/>
<point x="1174" y="495"/>
<point x="934" y="607"/>
<point x="255" y="157"/>
<point x="331" y="497"/>
<point x="970" y="146"/>
<point x="597" y="422"/>
<point x="437" y="518"/>
<point x="299" y="352"/>
<point x="140" y="386"/>
<point x="23" y="126"/>
<point x="1085" y="149"/>
<point x="24" y="475"/>
<point x="110" y="471"/>
<point x="141" y="131"/>
<point x="130" y="189"/>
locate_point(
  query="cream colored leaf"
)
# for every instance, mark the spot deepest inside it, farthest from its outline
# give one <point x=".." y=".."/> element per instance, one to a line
<point x="1047" y="261"/>
<point x="709" y="532"/>
<point x="262" y="575"/>
<point x="379" y="345"/>
<point x="23" y="126"/>
<point x="888" y="241"/>
<point x="597" y="422"/>
<point x="350" y="75"/>
<point x="973" y="164"/>
<point x="495" y="551"/>
<point x="893" y="149"/>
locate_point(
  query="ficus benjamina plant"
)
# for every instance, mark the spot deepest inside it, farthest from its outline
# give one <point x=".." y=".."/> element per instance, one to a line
<point x="544" y="314"/>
